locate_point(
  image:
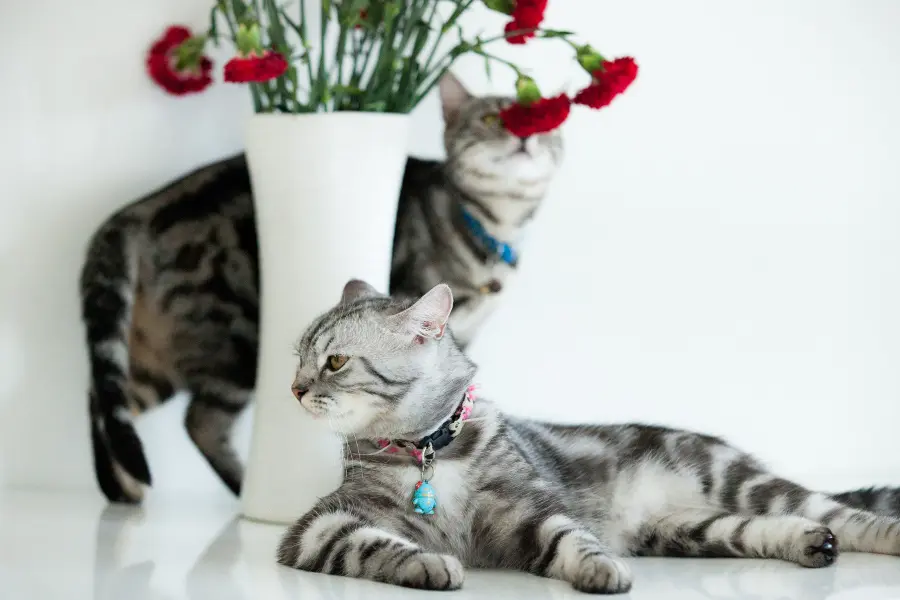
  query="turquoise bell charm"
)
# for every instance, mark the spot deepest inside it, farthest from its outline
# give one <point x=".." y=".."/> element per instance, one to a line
<point x="424" y="499"/>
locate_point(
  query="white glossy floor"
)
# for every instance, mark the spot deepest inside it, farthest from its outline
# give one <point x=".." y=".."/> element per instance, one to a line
<point x="74" y="547"/>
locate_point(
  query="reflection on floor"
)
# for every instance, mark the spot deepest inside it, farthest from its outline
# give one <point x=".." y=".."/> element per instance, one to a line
<point x="73" y="547"/>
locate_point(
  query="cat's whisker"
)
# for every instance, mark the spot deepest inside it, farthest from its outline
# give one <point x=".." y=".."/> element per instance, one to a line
<point x="356" y="441"/>
<point x="377" y="452"/>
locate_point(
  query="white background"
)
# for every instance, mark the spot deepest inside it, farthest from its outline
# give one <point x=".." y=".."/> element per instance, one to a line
<point x="721" y="251"/>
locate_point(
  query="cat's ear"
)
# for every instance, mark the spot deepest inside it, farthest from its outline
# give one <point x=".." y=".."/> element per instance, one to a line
<point x="357" y="289"/>
<point x="427" y="318"/>
<point x="453" y="96"/>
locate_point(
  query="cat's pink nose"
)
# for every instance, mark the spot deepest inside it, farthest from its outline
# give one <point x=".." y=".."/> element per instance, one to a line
<point x="298" y="392"/>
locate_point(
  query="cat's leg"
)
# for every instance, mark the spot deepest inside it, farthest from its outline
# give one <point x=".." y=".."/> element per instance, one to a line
<point x="336" y="538"/>
<point x="710" y="532"/>
<point x="857" y="530"/>
<point x="551" y="544"/>
<point x="209" y="422"/>
<point x="218" y="366"/>
<point x="766" y="494"/>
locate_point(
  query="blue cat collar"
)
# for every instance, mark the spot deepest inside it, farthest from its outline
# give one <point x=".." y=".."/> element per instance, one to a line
<point x="492" y="245"/>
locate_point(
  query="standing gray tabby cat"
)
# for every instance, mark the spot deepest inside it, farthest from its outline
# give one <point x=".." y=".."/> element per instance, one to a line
<point x="169" y="289"/>
<point x="559" y="501"/>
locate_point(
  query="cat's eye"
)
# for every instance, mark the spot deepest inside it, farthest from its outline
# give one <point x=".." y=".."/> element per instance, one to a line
<point x="490" y="119"/>
<point x="336" y="361"/>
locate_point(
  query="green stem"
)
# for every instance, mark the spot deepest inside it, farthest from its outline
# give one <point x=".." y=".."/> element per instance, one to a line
<point x="257" y="99"/>
<point x="356" y="49"/>
<point x="437" y="41"/>
<point x="300" y="30"/>
<point x="487" y="55"/>
<point x="445" y="64"/>
<point x="436" y="75"/>
<point x="427" y="70"/>
<point x="384" y="57"/>
<point x="368" y="58"/>
<point x="342" y="42"/>
<point x="322" y="83"/>
<point x="278" y="40"/>
<point x="405" y="89"/>
<point x="306" y="47"/>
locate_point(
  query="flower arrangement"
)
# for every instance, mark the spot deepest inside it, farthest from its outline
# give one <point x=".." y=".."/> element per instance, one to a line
<point x="386" y="56"/>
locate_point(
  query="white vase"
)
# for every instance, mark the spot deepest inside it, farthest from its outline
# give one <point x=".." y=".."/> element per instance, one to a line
<point x="325" y="188"/>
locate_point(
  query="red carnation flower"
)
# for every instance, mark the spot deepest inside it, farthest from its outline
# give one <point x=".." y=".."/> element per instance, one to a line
<point x="176" y="62"/>
<point x="610" y="80"/>
<point x="363" y="15"/>
<point x="541" y="116"/>
<point x="527" y="15"/>
<point x="256" y="69"/>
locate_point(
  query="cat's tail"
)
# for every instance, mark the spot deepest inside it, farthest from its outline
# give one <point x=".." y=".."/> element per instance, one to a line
<point x="881" y="501"/>
<point x="107" y="296"/>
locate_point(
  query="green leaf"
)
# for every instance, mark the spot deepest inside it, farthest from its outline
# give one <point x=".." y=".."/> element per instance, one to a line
<point x="350" y="90"/>
<point x="213" y="22"/>
<point x="296" y="27"/>
<point x="502" y="6"/>
<point x="555" y="33"/>
<point x="239" y="9"/>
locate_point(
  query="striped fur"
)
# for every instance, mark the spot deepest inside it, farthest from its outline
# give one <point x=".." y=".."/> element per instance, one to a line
<point x="560" y="501"/>
<point x="169" y="288"/>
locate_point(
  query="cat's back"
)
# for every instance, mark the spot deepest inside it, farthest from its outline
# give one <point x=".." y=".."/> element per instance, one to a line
<point x="220" y="188"/>
<point x="601" y="457"/>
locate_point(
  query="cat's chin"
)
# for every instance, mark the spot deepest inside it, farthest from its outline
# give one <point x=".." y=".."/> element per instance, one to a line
<point x="521" y="166"/>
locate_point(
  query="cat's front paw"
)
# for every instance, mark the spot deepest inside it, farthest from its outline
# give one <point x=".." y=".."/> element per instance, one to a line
<point x="600" y="574"/>
<point x="819" y="548"/>
<point x="431" y="572"/>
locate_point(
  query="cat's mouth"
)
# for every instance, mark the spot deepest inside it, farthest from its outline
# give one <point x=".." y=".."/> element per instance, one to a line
<point x="316" y="407"/>
<point x="520" y="152"/>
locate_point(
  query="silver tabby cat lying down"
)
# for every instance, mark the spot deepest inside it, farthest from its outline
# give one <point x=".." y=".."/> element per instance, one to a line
<point x="557" y="501"/>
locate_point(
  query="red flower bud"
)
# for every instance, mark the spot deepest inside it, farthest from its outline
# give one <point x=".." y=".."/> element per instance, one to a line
<point x="247" y="39"/>
<point x="527" y="91"/>
<point x="589" y="58"/>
